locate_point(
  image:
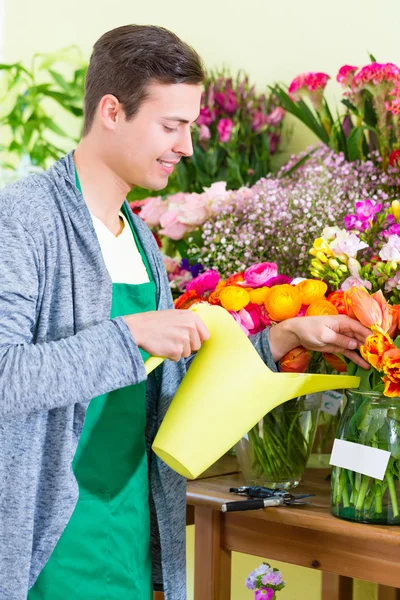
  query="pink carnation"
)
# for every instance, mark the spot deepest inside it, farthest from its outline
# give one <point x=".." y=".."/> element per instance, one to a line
<point x="205" y="282"/>
<point x="258" y="275"/>
<point x="172" y="226"/>
<point x="227" y="100"/>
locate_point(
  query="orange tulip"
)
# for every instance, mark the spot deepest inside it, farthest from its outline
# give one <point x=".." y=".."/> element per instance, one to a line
<point x="296" y="360"/>
<point x="387" y="317"/>
<point x="391" y="364"/>
<point x="363" y="307"/>
<point x="392" y="389"/>
<point x="375" y="347"/>
<point x="311" y="290"/>
<point x="335" y="362"/>
<point x="321" y="307"/>
<point x="283" y="302"/>
<point x="337" y="299"/>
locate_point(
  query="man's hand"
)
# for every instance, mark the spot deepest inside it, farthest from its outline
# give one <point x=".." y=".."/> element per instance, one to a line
<point x="173" y="334"/>
<point x="335" y="334"/>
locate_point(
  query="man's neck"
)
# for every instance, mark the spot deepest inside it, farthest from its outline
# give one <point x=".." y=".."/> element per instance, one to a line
<point x="103" y="191"/>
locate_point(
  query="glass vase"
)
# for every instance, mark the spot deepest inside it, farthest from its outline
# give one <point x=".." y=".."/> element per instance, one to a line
<point x="370" y="419"/>
<point x="274" y="453"/>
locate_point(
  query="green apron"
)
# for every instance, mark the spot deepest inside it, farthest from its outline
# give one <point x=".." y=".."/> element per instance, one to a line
<point x="104" y="552"/>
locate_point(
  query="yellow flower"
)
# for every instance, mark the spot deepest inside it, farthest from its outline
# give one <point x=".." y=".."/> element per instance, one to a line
<point x="259" y="295"/>
<point x="283" y="302"/>
<point x="234" y="298"/>
<point x="396" y="210"/>
<point x="321" y="307"/>
<point x="311" y="289"/>
<point x="321" y="245"/>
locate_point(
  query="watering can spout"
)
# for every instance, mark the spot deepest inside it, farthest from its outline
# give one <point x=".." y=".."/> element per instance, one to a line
<point x="226" y="391"/>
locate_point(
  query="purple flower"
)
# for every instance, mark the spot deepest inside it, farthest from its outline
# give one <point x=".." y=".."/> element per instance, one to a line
<point x="350" y="221"/>
<point x="204" y="133"/>
<point x="259" y="120"/>
<point x="367" y="209"/>
<point x="393" y="230"/>
<point x="206" y="117"/>
<point x="272" y="578"/>
<point x="250" y="581"/>
<point x="278" y="280"/>
<point x="264" y="594"/>
<point x="225" y="127"/>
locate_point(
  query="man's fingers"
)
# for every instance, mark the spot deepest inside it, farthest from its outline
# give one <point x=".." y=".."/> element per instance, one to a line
<point x="357" y="329"/>
<point x="356" y="358"/>
<point x="342" y="341"/>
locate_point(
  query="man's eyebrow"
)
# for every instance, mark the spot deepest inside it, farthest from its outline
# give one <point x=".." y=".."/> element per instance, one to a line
<point x="179" y="119"/>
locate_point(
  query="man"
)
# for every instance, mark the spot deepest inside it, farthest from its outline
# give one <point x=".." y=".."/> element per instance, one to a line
<point x="79" y="314"/>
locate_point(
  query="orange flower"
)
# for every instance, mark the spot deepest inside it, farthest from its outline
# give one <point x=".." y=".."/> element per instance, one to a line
<point x="363" y="307"/>
<point x="387" y="317"/>
<point x="321" y="307"/>
<point x="296" y="360"/>
<point x="311" y="290"/>
<point x="395" y="326"/>
<point x="213" y="298"/>
<point x="337" y="299"/>
<point x="259" y="295"/>
<point x="391" y="365"/>
<point x="234" y="298"/>
<point x="392" y="389"/>
<point x="335" y="362"/>
<point x="235" y="279"/>
<point x="375" y="347"/>
<point x="187" y="299"/>
<point x="283" y="302"/>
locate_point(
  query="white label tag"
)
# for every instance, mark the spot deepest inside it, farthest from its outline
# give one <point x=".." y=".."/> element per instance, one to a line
<point x="360" y="459"/>
<point x="331" y="402"/>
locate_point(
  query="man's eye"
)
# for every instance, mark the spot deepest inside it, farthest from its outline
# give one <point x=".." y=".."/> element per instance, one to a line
<point x="169" y="129"/>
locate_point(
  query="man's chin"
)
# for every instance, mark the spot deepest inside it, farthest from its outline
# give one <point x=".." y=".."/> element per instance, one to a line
<point x="155" y="184"/>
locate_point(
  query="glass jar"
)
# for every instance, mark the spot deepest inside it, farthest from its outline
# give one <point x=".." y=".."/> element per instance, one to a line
<point x="370" y="419"/>
<point x="274" y="453"/>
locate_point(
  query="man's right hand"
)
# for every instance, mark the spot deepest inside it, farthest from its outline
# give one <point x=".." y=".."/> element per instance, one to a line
<point x="172" y="334"/>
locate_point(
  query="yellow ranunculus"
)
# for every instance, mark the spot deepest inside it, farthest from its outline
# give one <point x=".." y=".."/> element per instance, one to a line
<point x="283" y="302"/>
<point x="233" y="297"/>
<point x="311" y="289"/>
<point x="321" y="307"/>
<point x="259" y="295"/>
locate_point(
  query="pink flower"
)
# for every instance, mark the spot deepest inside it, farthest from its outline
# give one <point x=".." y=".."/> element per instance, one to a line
<point x="239" y="321"/>
<point x="367" y="209"/>
<point x="205" y="282"/>
<point x="356" y="282"/>
<point x="272" y="578"/>
<point x="153" y="210"/>
<point x="204" y="133"/>
<point x="258" y="275"/>
<point x="311" y="85"/>
<point x="264" y="317"/>
<point x="224" y="128"/>
<point x="373" y="75"/>
<point x="264" y="594"/>
<point x="227" y="100"/>
<point x="259" y="120"/>
<point x="251" y="318"/>
<point x="206" y="117"/>
<point x="346" y="75"/>
<point x="171" y="225"/>
<point x="194" y="212"/>
<point x="276" y="116"/>
<point x="171" y="266"/>
<point x="391" y="250"/>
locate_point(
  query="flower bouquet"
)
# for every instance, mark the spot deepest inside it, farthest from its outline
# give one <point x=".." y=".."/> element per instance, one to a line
<point x="372" y="414"/>
<point x="276" y="450"/>
<point x="265" y="581"/>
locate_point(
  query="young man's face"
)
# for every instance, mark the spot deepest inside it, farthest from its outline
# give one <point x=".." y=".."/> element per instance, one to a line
<point x="150" y="145"/>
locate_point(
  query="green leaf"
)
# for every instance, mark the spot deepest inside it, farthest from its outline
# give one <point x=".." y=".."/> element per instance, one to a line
<point x="53" y="127"/>
<point x="397" y="341"/>
<point x="58" y="78"/>
<point x="372" y="57"/>
<point x="354" y="143"/>
<point x="353" y="109"/>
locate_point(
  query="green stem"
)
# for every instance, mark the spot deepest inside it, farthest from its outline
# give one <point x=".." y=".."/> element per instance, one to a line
<point x="393" y="495"/>
<point x="362" y="492"/>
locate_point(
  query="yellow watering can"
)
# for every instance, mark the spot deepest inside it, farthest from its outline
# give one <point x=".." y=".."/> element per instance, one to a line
<point x="226" y="391"/>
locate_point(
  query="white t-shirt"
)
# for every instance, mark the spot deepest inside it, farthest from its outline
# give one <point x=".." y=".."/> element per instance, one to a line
<point x="121" y="254"/>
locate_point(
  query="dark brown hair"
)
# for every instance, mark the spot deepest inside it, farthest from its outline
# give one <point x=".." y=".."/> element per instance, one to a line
<point x="126" y="59"/>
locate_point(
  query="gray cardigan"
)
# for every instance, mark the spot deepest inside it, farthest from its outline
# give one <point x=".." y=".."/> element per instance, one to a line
<point x="59" y="349"/>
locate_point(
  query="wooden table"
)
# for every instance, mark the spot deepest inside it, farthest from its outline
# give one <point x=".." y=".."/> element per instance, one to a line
<point x="308" y="536"/>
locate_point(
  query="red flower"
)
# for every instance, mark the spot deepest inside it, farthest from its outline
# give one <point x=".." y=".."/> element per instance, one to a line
<point x="394" y="158"/>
